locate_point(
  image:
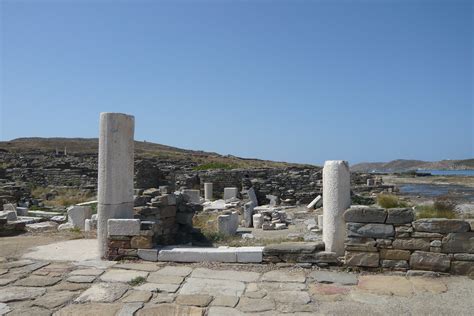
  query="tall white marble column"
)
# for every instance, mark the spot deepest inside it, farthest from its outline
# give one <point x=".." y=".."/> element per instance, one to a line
<point x="336" y="199"/>
<point x="115" y="172"/>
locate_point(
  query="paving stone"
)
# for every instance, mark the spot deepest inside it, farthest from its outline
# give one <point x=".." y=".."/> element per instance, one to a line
<point x="225" y="301"/>
<point x="227" y="311"/>
<point x="149" y="267"/>
<point x="194" y="300"/>
<point x="157" y="287"/>
<point x="55" y="269"/>
<point x="31" y="267"/>
<point x="164" y="279"/>
<point x="255" y="305"/>
<point x="102" y="292"/>
<point x="5" y="281"/>
<point x="19" y="293"/>
<point x="294" y="297"/>
<point x="31" y="310"/>
<point x="164" y="298"/>
<point x="120" y="275"/>
<point x="129" y="309"/>
<point x="297" y="309"/>
<point x="328" y="292"/>
<point x="283" y="276"/>
<point x="4" y="308"/>
<point x="423" y="285"/>
<point x="133" y="296"/>
<point x="16" y="264"/>
<point x="243" y="276"/>
<point x="173" y="270"/>
<point x="68" y="286"/>
<point x="255" y="294"/>
<point x="334" y="277"/>
<point x="3" y="271"/>
<point x="54" y="299"/>
<point x="89" y="272"/>
<point x="89" y="309"/>
<point x="38" y="281"/>
<point x="81" y="278"/>
<point x="96" y="263"/>
<point x="378" y="284"/>
<point x="212" y="287"/>
<point x="285" y="286"/>
<point x="170" y="310"/>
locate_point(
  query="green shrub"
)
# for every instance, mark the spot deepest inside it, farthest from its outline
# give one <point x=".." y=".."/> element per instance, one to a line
<point x="390" y="201"/>
<point x="214" y="165"/>
<point x="137" y="281"/>
<point x="430" y="211"/>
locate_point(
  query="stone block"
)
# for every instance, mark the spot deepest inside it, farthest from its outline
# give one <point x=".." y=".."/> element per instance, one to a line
<point x="458" y="242"/>
<point x="421" y="260"/>
<point x="148" y="254"/>
<point x="462" y="267"/>
<point x="464" y="256"/>
<point x="394" y="264"/>
<point x="427" y="235"/>
<point x="123" y="227"/>
<point x="257" y="220"/>
<point x="22" y="211"/>
<point x="193" y="196"/>
<point x="441" y="225"/>
<point x="411" y="244"/>
<point x="144" y="242"/>
<point x="77" y="215"/>
<point x="249" y="254"/>
<point x="293" y="248"/>
<point x="361" y="214"/>
<point x="184" y="218"/>
<point x="228" y="224"/>
<point x="252" y="196"/>
<point x="182" y="254"/>
<point x="8" y="215"/>
<point x="370" y="230"/>
<point x="318" y="257"/>
<point x="248" y="214"/>
<point x="361" y="244"/>
<point x="230" y="193"/>
<point x="394" y="254"/>
<point x="362" y="259"/>
<point x="317" y="202"/>
<point x="400" y="216"/>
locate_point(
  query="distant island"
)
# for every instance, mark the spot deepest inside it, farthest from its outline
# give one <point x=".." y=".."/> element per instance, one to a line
<point x="404" y="165"/>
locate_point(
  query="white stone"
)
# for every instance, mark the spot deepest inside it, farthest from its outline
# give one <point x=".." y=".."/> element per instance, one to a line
<point x="244" y="276"/>
<point x="228" y="224"/>
<point x="181" y="254"/>
<point x="208" y="191"/>
<point x="9" y="215"/>
<point x="248" y="213"/>
<point x="22" y="211"/>
<point x="336" y="199"/>
<point x="315" y="203"/>
<point x="87" y="225"/>
<point x="42" y="227"/>
<point x="192" y="195"/>
<point x="78" y="214"/>
<point x="115" y="172"/>
<point x="102" y="292"/>
<point x="230" y="193"/>
<point x="249" y="254"/>
<point x="66" y="226"/>
<point x="320" y="221"/>
<point x="123" y="227"/>
<point x="252" y="196"/>
<point x="257" y="220"/>
<point x="4" y="309"/>
<point x="9" y="207"/>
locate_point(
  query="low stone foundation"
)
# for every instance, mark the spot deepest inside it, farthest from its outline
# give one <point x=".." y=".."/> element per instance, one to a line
<point x="299" y="252"/>
<point x="390" y="239"/>
<point x="11" y="228"/>
<point x="127" y="237"/>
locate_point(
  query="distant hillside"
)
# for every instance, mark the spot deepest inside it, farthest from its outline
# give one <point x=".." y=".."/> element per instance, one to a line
<point x="142" y="148"/>
<point x="401" y="165"/>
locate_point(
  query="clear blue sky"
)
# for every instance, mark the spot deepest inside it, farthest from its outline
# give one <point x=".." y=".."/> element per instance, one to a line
<point x="300" y="81"/>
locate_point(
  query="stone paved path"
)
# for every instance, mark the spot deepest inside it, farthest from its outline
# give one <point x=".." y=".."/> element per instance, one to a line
<point x="31" y="287"/>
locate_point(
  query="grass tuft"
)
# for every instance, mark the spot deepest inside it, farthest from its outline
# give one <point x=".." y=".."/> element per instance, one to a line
<point x="390" y="201"/>
<point x="137" y="281"/>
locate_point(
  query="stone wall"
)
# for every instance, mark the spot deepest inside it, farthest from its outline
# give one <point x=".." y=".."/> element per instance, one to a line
<point x="392" y="240"/>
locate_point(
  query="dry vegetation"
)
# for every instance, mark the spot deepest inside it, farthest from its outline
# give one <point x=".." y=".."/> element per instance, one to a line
<point x="61" y="197"/>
